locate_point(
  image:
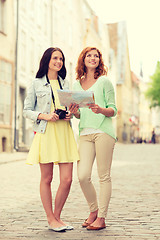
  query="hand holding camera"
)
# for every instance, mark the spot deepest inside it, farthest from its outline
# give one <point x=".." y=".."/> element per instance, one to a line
<point x="61" y="113"/>
<point x="53" y="117"/>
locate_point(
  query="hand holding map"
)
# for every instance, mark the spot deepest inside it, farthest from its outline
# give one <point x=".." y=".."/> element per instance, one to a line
<point x="82" y="98"/>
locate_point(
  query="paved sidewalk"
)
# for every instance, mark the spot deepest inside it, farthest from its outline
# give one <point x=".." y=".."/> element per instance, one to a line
<point x="134" y="210"/>
<point x="12" y="157"/>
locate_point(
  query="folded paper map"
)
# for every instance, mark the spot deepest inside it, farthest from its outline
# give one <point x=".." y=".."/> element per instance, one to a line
<point x="82" y="98"/>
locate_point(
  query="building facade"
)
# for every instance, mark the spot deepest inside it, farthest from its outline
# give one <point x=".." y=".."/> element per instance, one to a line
<point x="134" y="119"/>
<point x="119" y="44"/>
<point x="28" y="28"/>
<point x="7" y="59"/>
<point x="145" y="114"/>
<point x="33" y="37"/>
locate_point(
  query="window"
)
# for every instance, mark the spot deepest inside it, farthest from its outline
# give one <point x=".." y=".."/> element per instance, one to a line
<point x="2" y="16"/>
<point x="5" y="91"/>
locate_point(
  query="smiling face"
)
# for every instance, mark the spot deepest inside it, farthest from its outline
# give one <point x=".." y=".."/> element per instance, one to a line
<point x="91" y="59"/>
<point x="56" y="61"/>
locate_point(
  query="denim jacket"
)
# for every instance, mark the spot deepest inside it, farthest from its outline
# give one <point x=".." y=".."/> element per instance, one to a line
<point x="38" y="100"/>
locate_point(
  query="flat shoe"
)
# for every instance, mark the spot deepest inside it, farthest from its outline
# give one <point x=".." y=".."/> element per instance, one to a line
<point x="59" y="229"/>
<point x="68" y="227"/>
<point x="90" y="227"/>
<point x="85" y="224"/>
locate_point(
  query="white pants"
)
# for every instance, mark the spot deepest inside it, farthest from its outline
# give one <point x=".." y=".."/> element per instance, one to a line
<point x="99" y="145"/>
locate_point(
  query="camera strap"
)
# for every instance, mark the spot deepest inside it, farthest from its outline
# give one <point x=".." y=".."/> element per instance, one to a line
<point x="53" y="98"/>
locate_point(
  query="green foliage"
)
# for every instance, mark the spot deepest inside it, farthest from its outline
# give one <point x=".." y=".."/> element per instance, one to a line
<point x="153" y="92"/>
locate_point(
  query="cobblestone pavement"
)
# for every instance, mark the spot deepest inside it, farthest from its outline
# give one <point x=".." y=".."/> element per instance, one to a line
<point x="134" y="211"/>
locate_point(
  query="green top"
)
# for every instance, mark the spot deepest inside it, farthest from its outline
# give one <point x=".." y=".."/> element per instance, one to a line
<point x="104" y="97"/>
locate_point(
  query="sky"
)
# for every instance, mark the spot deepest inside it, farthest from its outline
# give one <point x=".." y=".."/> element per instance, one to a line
<point x="143" y="28"/>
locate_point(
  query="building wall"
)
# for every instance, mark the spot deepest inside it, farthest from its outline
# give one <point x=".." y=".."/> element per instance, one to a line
<point x="34" y="37"/>
<point x="94" y="34"/>
<point x="124" y="83"/>
<point x="70" y="25"/>
<point x="112" y="73"/>
<point x="145" y="121"/>
<point x="44" y="24"/>
<point x="7" y="54"/>
<point x="68" y="32"/>
<point x="134" y="119"/>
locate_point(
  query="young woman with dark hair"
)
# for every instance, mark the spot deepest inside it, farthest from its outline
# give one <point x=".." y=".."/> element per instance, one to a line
<point x="54" y="141"/>
<point x="44" y="62"/>
<point x="97" y="135"/>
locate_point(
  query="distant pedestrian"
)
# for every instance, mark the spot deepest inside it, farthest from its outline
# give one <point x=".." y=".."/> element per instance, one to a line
<point x="132" y="139"/>
<point x="54" y="141"/>
<point x="144" y="140"/>
<point x="153" y="138"/>
<point x="97" y="135"/>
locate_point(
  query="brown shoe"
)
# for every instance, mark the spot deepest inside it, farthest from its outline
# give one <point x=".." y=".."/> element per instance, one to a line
<point x="90" y="227"/>
<point x="85" y="224"/>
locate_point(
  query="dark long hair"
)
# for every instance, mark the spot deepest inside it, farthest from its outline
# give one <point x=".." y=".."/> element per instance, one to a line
<point x="44" y="63"/>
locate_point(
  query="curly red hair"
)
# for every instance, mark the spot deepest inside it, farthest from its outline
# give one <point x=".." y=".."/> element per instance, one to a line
<point x="81" y="69"/>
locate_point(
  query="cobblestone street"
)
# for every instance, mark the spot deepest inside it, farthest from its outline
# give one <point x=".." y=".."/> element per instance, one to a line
<point x="134" y="210"/>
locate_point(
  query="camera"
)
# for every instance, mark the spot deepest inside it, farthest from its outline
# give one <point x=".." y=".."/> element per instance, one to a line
<point x="61" y="113"/>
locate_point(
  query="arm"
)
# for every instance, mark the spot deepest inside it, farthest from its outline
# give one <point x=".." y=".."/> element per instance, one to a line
<point x="30" y="103"/>
<point x="29" y="108"/>
<point x="48" y="117"/>
<point x="108" y="112"/>
<point x="109" y="96"/>
<point x="109" y="99"/>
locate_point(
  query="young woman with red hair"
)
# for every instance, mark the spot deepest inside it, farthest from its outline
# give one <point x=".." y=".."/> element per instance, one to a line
<point x="97" y="135"/>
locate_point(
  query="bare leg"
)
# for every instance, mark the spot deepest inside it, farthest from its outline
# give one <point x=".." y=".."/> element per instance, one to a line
<point x="64" y="188"/>
<point x="92" y="217"/>
<point x="45" y="192"/>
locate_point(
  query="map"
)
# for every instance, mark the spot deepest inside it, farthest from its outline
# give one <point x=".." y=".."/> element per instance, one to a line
<point x="82" y="98"/>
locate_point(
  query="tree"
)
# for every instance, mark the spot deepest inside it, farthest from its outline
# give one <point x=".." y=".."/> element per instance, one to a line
<point x="153" y="92"/>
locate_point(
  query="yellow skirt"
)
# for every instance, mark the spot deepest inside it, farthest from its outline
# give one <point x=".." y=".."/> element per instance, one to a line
<point x="56" y="145"/>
